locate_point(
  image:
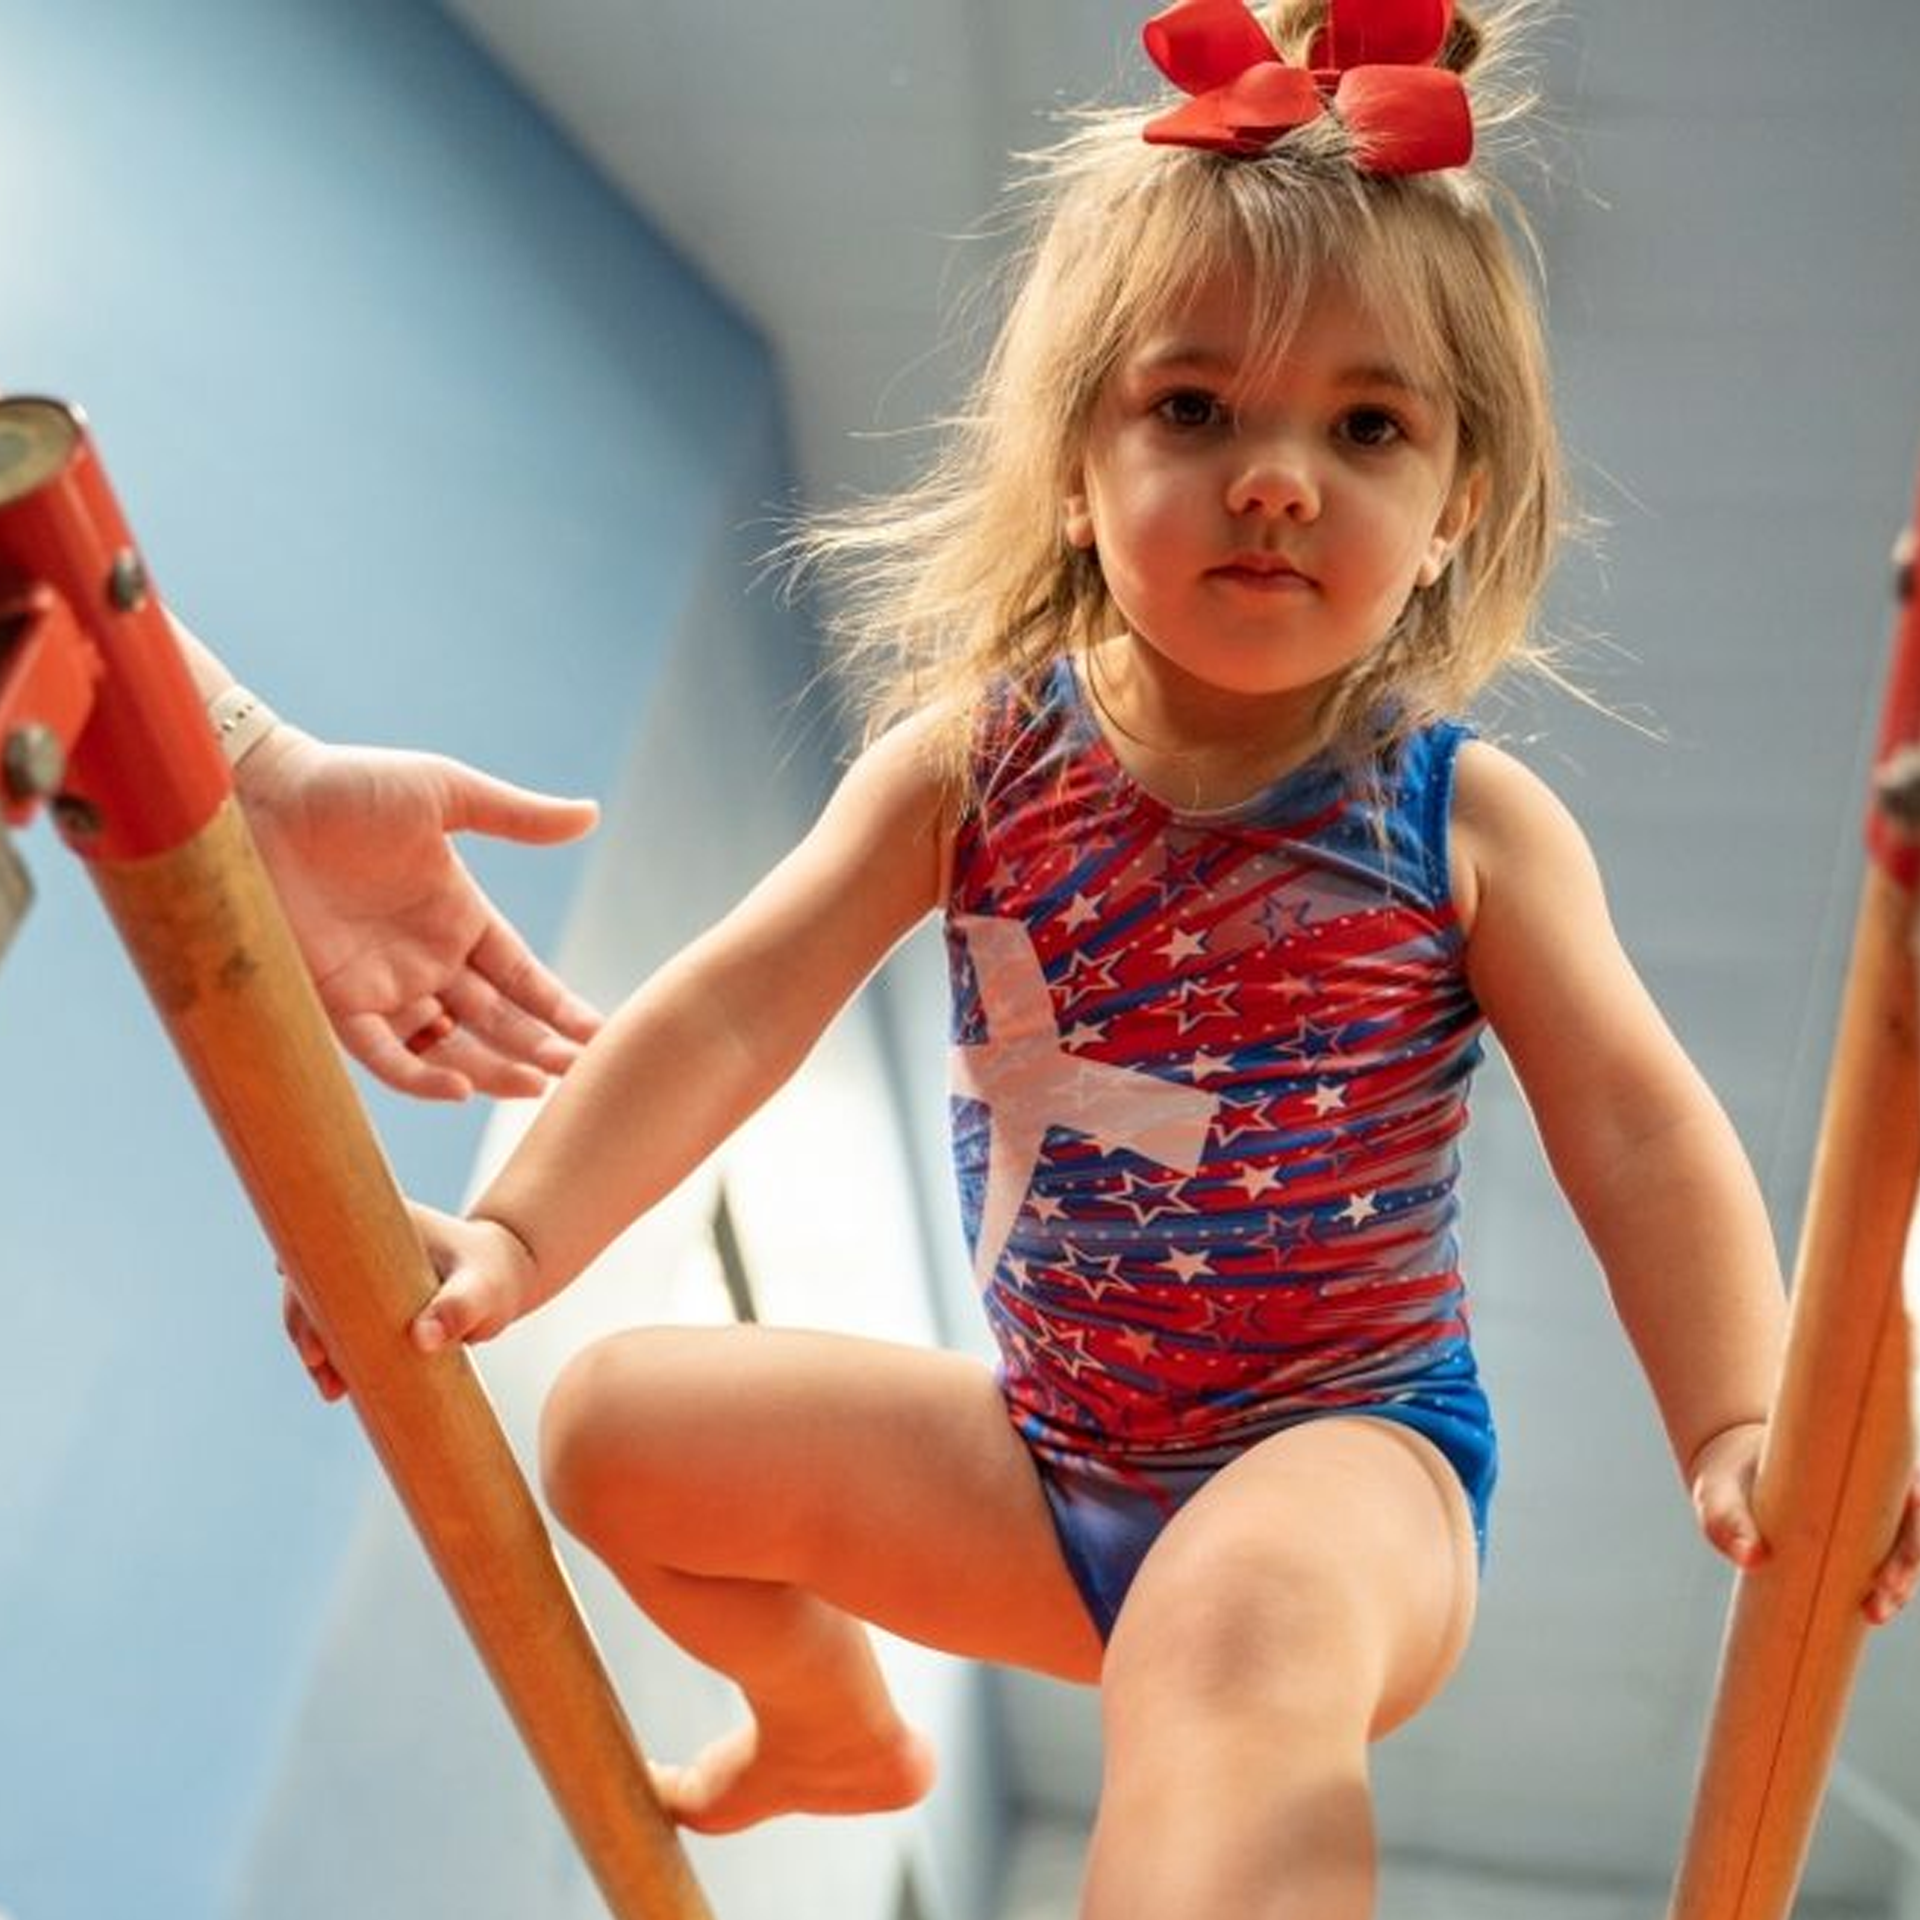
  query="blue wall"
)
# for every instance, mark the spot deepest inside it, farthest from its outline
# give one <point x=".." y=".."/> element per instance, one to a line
<point x="427" y="433"/>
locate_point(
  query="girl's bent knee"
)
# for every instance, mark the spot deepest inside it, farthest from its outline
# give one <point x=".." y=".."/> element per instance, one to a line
<point x="577" y="1425"/>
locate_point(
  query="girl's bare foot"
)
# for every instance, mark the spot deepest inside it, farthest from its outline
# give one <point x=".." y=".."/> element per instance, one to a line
<point x="751" y="1774"/>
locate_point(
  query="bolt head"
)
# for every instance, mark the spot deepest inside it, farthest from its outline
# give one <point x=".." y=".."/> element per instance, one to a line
<point x="78" y="820"/>
<point x="127" y="583"/>
<point x="33" y="762"/>
<point x="1896" y="785"/>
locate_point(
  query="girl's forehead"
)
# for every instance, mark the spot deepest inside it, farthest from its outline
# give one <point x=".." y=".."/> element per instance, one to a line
<point x="1234" y="318"/>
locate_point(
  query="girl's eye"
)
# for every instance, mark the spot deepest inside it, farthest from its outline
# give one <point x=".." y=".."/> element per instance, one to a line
<point x="1190" y="408"/>
<point x="1373" y="427"/>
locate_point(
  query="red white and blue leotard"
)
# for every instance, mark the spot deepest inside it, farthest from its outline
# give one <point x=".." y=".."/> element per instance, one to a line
<point x="1210" y="1074"/>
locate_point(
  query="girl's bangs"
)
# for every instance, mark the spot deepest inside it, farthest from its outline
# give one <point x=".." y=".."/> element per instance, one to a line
<point x="1279" y="232"/>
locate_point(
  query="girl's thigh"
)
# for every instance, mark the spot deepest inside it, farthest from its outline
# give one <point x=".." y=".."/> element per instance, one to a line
<point x="1333" y="1564"/>
<point x="886" y="1479"/>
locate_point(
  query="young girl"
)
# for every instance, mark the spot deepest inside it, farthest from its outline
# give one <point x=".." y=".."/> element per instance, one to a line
<point x="1258" y="490"/>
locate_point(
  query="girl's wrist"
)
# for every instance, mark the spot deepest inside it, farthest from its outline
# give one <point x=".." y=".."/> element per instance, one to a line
<point x="529" y="1288"/>
<point x="1696" y="1461"/>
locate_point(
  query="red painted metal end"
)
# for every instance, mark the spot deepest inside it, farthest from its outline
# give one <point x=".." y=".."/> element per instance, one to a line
<point x="143" y="772"/>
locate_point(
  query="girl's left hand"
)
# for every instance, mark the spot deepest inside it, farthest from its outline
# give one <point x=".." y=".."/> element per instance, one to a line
<point x="1722" y="1480"/>
<point x="1723" y="1476"/>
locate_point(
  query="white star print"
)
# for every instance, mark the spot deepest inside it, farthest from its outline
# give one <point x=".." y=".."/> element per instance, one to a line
<point x="1183" y="946"/>
<point x="1326" y="1098"/>
<point x="1359" y="1210"/>
<point x="1187" y="1266"/>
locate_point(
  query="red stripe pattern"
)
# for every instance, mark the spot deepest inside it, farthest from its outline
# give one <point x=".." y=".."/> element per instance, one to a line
<point x="1210" y="1077"/>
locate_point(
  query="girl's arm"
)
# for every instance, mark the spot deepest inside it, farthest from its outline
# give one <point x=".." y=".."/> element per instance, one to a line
<point x="1642" y="1150"/>
<point x="702" y="1044"/>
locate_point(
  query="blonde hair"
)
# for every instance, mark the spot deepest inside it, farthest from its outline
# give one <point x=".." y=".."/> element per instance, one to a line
<point x="966" y="577"/>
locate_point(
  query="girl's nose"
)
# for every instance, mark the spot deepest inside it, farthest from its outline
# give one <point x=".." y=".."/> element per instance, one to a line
<point x="1274" y="480"/>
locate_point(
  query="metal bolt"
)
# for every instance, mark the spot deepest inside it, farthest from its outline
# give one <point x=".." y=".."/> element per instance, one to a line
<point x="1896" y="785"/>
<point x="77" y="819"/>
<point x="127" y="583"/>
<point x="34" y="762"/>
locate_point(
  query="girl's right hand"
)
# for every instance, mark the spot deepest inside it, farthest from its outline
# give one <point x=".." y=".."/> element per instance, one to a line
<point x="308" y="1344"/>
<point x="486" y="1282"/>
<point x="487" y="1279"/>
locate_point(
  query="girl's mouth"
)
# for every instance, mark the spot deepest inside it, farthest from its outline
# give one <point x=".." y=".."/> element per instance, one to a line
<point x="1262" y="572"/>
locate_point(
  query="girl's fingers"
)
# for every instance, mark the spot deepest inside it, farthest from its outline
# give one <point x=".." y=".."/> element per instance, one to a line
<point x="1893" y="1585"/>
<point x="308" y="1345"/>
<point x="1724" y="1470"/>
<point x="440" y="1323"/>
<point x="477" y="1295"/>
<point x="472" y="1302"/>
<point x="464" y="1309"/>
<point x="1727" y="1520"/>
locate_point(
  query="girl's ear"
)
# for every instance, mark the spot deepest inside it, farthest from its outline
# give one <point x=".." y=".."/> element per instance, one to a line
<point x="1076" y="518"/>
<point x="1457" y="519"/>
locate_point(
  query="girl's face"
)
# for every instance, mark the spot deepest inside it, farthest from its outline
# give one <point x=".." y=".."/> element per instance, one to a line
<point x="1261" y="522"/>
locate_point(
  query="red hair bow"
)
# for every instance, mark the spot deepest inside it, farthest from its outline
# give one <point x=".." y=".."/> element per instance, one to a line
<point x="1371" y="65"/>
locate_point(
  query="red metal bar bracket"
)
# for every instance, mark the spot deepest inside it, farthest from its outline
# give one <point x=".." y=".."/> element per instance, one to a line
<point x="50" y="673"/>
<point x="143" y="775"/>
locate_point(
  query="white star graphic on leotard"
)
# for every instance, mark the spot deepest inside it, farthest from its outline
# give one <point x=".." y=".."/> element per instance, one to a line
<point x="1360" y="1208"/>
<point x="1030" y="1083"/>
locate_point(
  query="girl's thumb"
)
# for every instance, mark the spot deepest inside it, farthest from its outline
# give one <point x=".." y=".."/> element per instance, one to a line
<point x="444" y="1320"/>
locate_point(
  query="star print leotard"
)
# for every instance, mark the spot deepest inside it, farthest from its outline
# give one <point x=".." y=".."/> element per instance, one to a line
<point x="1210" y="1073"/>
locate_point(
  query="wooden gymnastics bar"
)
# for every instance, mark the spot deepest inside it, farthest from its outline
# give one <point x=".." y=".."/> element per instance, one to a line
<point x="205" y="931"/>
<point x="146" y="800"/>
<point x="1840" y="1448"/>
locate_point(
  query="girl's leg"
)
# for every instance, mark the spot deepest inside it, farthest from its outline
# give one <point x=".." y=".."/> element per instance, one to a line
<point x="1312" y="1596"/>
<point x="759" y="1492"/>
